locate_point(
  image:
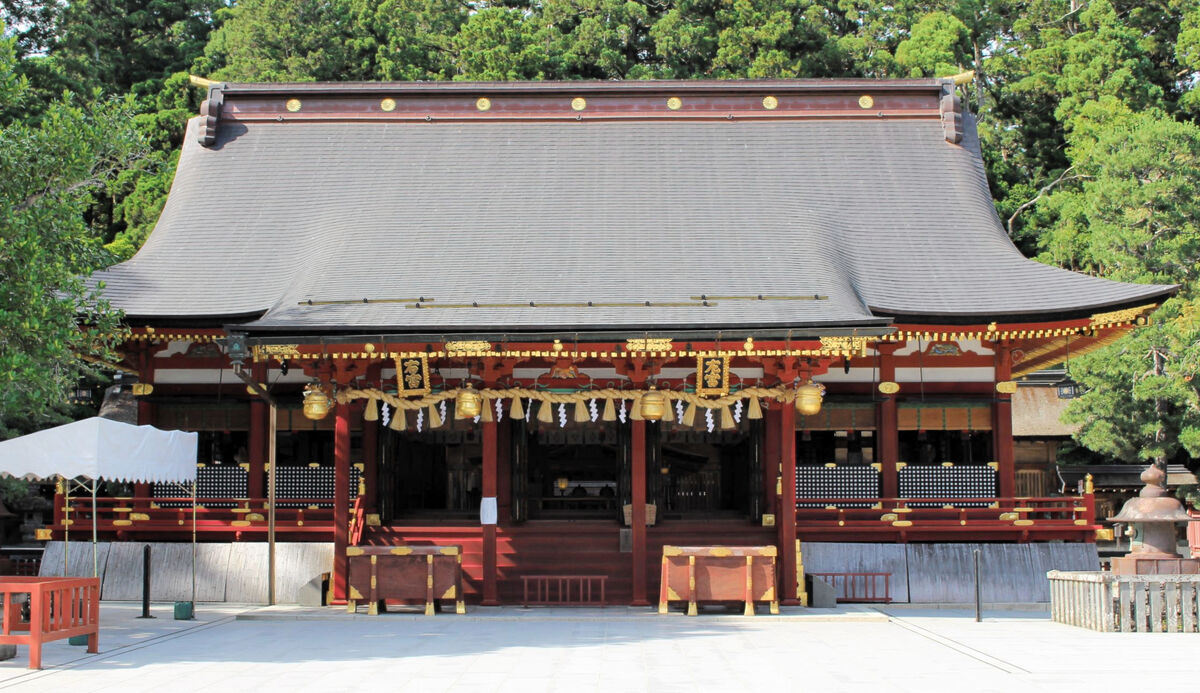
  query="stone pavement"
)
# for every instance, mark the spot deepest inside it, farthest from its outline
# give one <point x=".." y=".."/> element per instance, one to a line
<point x="899" y="648"/>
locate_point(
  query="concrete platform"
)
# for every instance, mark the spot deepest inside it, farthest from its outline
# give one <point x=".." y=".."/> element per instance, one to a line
<point x="522" y="651"/>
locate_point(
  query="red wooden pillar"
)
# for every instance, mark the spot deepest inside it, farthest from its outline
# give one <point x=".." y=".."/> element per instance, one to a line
<point x="786" y="522"/>
<point x="341" y="497"/>
<point x="259" y="423"/>
<point x="504" y="481"/>
<point x="488" y="511"/>
<point x="1002" y="434"/>
<point x="370" y="443"/>
<point x="887" y="430"/>
<point x="771" y="468"/>
<point x="638" y="515"/>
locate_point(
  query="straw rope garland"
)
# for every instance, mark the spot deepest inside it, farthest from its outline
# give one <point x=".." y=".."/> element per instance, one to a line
<point x="779" y="393"/>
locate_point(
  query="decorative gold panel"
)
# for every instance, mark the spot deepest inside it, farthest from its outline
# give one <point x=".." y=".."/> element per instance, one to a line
<point x="412" y="376"/>
<point x="648" y="345"/>
<point x="712" y="376"/>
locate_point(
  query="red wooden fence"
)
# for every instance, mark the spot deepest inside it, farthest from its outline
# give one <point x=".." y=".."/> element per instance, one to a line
<point x="58" y="608"/>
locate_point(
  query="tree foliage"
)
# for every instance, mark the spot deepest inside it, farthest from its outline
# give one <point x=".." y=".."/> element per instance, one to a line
<point x="50" y="321"/>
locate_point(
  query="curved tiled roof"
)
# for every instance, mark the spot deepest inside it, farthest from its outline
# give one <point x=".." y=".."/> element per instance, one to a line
<point x="838" y="221"/>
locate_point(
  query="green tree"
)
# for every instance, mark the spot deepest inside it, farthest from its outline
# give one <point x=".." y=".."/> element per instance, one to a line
<point x="51" y="322"/>
<point x="939" y="45"/>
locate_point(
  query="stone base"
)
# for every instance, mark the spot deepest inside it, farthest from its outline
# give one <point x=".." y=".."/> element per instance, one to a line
<point x="1139" y="565"/>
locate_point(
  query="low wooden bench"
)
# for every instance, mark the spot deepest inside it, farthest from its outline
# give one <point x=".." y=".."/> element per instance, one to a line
<point x="413" y="573"/>
<point x="58" y="608"/>
<point x="718" y="574"/>
<point x="564" y="590"/>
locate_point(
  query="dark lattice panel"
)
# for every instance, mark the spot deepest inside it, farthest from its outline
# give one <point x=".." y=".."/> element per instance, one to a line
<point x="310" y="483"/>
<point x="965" y="481"/>
<point x="213" y="481"/>
<point x="836" y="482"/>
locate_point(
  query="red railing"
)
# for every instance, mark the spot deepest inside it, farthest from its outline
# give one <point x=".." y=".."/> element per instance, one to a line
<point x="859" y="587"/>
<point x="166" y="515"/>
<point x="58" y="608"/>
<point x="949" y="515"/>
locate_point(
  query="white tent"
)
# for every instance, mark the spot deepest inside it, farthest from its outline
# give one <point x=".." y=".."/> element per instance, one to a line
<point x="98" y="448"/>
<point x="95" y="449"/>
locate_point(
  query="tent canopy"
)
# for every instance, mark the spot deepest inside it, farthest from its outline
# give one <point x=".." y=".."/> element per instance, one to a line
<point x="99" y="448"/>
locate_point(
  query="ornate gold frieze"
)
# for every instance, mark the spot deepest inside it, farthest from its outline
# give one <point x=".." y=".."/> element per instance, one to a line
<point x="850" y="345"/>
<point x="648" y="345"/>
<point x="276" y="351"/>
<point x="1117" y="317"/>
<point x="469" y="345"/>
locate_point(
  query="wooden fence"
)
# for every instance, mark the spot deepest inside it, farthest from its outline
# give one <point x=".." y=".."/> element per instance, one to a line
<point x="59" y="608"/>
<point x="1126" y="603"/>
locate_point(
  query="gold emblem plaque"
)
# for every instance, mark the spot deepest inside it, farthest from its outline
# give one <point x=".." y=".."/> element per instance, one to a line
<point x="674" y="103"/>
<point x="412" y="376"/>
<point x="770" y="103"/>
<point x="483" y="103"/>
<point x="293" y="105"/>
<point x="712" y="376"/>
<point x="578" y="103"/>
<point x="865" y="101"/>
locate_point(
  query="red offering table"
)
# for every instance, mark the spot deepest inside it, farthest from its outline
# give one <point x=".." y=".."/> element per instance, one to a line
<point x="718" y="574"/>
<point x="379" y="573"/>
<point x="58" y="608"/>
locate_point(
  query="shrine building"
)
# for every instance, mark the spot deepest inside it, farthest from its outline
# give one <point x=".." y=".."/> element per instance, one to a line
<point x="562" y="325"/>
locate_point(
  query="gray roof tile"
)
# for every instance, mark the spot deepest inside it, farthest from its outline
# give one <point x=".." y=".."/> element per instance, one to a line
<point x="884" y="217"/>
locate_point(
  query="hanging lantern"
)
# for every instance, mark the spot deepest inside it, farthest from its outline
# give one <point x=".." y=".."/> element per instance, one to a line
<point x="808" y="398"/>
<point x="316" y="402"/>
<point x="654" y="405"/>
<point x="468" y="402"/>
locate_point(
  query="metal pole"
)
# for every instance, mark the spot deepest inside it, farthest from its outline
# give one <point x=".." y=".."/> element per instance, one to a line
<point x="272" y="423"/>
<point x="95" y="558"/>
<point x="978" y="591"/>
<point x="146" y="582"/>
<point x="194" y="547"/>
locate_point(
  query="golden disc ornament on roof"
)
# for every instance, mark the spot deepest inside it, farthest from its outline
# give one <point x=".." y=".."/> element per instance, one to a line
<point x="483" y="103"/>
<point x="388" y="104"/>
<point x="866" y="101"/>
<point x="578" y="103"/>
<point x="293" y="105"/>
<point x="674" y="103"/>
<point x="770" y="103"/>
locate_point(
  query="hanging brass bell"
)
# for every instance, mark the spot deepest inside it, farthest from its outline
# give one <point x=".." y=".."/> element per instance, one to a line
<point x="654" y="405"/>
<point x="468" y="402"/>
<point x="808" y="398"/>
<point x="316" y="402"/>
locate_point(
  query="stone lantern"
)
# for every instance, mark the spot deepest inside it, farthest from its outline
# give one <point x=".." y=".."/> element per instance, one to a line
<point x="1153" y="515"/>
